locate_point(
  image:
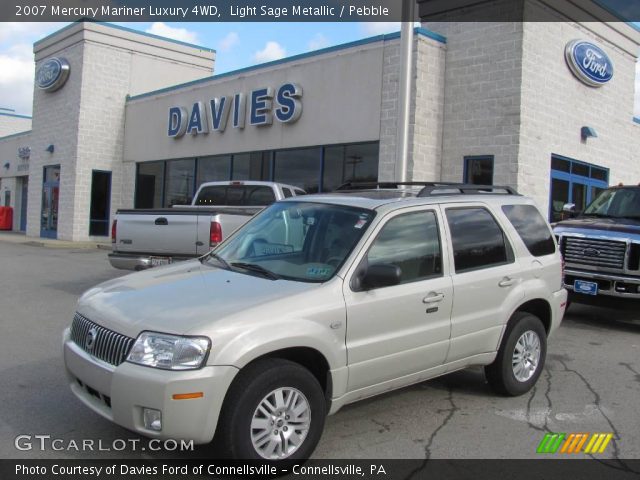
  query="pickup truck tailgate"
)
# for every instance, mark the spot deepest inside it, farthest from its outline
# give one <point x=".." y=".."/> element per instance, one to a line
<point x="158" y="232"/>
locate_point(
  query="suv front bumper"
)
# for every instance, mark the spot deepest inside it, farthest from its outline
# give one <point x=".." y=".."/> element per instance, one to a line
<point x="119" y="393"/>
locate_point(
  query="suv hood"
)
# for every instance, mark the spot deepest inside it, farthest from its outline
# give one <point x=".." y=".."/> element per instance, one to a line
<point x="177" y="298"/>
<point x="621" y="225"/>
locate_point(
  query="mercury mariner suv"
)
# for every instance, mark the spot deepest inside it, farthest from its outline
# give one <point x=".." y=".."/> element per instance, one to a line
<point x="317" y="302"/>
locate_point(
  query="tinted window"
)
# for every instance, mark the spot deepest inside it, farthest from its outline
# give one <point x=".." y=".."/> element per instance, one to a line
<point x="236" y="195"/>
<point x="479" y="170"/>
<point x="411" y="242"/>
<point x="299" y="167"/>
<point x="477" y="239"/>
<point x="532" y="228"/>
<point x="287" y="192"/>
<point x="178" y="183"/>
<point x="149" y="185"/>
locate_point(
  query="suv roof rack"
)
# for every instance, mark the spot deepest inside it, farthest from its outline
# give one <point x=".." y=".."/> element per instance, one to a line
<point x="433" y="188"/>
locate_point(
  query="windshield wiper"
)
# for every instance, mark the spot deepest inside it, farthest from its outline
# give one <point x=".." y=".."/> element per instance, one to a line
<point x="253" y="267"/>
<point x="220" y="260"/>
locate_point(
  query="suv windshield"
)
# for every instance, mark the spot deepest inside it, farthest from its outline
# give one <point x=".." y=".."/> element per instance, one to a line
<point x="616" y="202"/>
<point x="302" y="241"/>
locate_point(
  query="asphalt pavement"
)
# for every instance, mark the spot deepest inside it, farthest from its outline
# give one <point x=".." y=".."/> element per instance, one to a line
<point x="591" y="383"/>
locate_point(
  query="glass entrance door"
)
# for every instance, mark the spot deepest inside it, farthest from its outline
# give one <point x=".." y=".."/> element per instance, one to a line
<point x="50" y="196"/>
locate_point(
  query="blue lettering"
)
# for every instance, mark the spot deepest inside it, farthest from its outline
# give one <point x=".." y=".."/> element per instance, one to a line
<point x="239" y="110"/>
<point x="177" y="127"/>
<point x="290" y="107"/>
<point x="261" y="106"/>
<point x="219" y="114"/>
<point x="197" y="123"/>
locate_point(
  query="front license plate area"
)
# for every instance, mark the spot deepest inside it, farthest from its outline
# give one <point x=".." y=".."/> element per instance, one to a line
<point x="157" y="261"/>
<point x="587" y="288"/>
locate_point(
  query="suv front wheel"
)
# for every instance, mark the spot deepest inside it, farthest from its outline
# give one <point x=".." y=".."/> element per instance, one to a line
<point x="274" y="410"/>
<point x="521" y="356"/>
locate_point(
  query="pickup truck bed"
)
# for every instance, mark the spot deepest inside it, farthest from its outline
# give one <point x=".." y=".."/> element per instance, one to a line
<point x="144" y="238"/>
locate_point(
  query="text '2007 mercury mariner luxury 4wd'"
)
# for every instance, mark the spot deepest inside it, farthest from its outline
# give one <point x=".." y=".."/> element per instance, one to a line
<point x="319" y="302"/>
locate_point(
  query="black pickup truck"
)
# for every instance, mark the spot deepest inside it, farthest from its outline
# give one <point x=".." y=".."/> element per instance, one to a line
<point x="601" y="248"/>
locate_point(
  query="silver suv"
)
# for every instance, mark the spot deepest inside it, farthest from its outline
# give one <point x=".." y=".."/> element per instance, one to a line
<point x="318" y="302"/>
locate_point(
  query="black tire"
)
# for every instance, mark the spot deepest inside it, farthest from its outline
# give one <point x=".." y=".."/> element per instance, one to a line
<point x="248" y="390"/>
<point x="500" y="374"/>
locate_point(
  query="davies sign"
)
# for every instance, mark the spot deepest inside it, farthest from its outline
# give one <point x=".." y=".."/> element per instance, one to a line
<point x="264" y="104"/>
<point x="589" y="63"/>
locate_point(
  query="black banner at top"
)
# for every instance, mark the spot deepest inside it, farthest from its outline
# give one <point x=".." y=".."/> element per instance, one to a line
<point x="318" y="10"/>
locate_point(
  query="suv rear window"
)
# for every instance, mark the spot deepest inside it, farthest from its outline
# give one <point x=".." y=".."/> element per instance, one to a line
<point x="236" y="195"/>
<point x="532" y="228"/>
<point x="478" y="241"/>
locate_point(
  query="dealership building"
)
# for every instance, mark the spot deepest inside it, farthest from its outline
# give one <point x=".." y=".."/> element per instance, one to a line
<point x="125" y="119"/>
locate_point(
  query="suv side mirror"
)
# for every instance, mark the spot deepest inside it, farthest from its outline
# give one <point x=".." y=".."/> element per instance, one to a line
<point x="378" y="276"/>
<point x="569" y="209"/>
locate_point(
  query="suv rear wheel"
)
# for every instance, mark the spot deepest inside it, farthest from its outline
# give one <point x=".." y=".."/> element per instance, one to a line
<point x="521" y="356"/>
<point x="274" y="410"/>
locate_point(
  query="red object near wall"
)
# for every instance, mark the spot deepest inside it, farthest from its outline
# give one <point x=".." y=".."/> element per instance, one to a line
<point x="6" y="218"/>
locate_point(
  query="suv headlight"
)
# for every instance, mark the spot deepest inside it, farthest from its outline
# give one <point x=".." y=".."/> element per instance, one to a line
<point x="169" y="352"/>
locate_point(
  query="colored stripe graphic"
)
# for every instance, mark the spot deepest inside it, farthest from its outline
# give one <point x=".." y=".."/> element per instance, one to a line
<point x="551" y="442"/>
<point x="573" y="443"/>
<point x="598" y="443"/>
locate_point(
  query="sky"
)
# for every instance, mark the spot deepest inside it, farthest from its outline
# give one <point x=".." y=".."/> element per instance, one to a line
<point x="238" y="45"/>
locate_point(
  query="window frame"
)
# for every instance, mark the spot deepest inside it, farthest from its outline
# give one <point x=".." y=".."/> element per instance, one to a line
<point x="467" y="167"/>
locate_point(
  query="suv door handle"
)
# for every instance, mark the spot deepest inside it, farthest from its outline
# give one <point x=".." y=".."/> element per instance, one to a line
<point x="506" y="282"/>
<point x="433" y="297"/>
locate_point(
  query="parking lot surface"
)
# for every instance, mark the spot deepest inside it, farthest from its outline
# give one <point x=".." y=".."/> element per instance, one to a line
<point x="591" y="383"/>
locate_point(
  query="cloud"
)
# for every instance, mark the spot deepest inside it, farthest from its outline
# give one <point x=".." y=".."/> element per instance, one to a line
<point x="271" y="51"/>
<point x="379" y="28"/>
<point x="181" y="34"/>
<point x="16" y="78"/>
<point x="318" y="41"/>
<point x="228" y="42"/>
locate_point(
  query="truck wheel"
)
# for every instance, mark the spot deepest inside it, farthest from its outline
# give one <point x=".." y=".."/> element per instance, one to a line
<point x="274" y="410"/>
<point x="521" y="356"/>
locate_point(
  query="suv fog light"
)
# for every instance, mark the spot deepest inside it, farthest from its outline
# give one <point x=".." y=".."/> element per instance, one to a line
<point x="152" y="419"/>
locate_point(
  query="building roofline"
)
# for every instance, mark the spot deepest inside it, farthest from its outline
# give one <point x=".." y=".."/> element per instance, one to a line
<point x="365" y="41"/>
<point x="125" y="29"/>
<point x="15" y="115"/>
<point x="15" y="135"/>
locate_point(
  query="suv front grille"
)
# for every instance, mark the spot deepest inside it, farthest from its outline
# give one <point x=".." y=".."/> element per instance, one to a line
<point x="104" y="344"/>
<point x="597" y="253"/>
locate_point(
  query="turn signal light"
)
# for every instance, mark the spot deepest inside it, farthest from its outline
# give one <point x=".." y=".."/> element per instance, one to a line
<point x="215" y="234"/>
<point x="187" y="396"/>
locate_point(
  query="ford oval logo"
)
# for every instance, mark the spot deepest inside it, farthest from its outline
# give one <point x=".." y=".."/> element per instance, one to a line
<point x="591" y="252"/>
<point x="52" y="74"/>
<point x="589" y="63"/>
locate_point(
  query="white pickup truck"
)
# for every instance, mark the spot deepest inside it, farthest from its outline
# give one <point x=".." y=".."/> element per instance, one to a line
<point x="144" y="238"/>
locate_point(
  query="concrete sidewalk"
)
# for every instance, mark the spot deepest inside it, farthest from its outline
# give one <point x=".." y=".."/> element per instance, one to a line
<point x="20" y="237"/>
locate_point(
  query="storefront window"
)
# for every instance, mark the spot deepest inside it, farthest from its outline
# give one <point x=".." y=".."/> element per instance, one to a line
<point x="574" y="182"/>
<point x="179" y="182"/>
<point x="300" y="167"/>
<point x="149" y="185"/>
<point x="478" y="170"/>
<point x="251" y="166"/>
<point x="350" y="163"/>
<point x="213" y="169"/>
